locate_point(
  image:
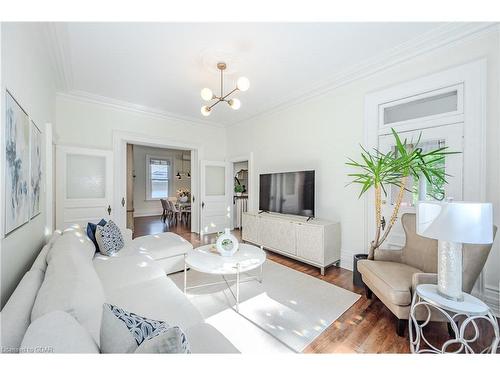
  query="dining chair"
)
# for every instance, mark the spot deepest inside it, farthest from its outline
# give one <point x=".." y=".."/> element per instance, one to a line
<point x="165" y="207"/>
<point x="185" y="212"/>
<point x="174" y="211"/>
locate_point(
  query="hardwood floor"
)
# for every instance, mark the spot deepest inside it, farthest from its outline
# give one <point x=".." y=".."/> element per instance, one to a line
<point x="367" y="327"/>
<point x="153" y="225"/>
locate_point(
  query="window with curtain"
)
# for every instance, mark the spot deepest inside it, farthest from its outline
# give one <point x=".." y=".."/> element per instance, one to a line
<point x="158" y="177"/>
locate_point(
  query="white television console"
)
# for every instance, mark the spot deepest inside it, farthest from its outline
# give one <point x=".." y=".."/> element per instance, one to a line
<point x="316" y="242"/>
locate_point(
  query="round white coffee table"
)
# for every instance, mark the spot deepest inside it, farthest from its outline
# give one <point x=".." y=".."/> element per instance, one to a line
<point x="206" y="259"/>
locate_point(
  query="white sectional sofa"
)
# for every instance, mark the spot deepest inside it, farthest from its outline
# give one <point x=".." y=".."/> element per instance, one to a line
<point x="68" y="276"/>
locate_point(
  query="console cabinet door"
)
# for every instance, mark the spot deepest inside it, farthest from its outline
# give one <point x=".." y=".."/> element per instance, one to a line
<point x="310" y="242"/>
<point x="251" y="228"/>
<point x="279" y="235"/>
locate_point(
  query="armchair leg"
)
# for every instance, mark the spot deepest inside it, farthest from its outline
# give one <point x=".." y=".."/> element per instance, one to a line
<point x="368" y="292"/>
<point x="400" y="327"/>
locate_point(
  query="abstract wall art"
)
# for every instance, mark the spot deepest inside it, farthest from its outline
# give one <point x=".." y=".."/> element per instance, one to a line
<point x="36" y="169"/>
<point x="17" y="178"/>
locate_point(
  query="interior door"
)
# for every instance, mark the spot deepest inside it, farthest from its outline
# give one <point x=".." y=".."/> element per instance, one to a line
<point x="216" y="196"/>
<point x="84" y="185"/>
<point x="432" y="138"/>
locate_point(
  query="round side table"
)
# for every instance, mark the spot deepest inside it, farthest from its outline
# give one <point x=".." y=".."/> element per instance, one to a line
<point x="471" y="310"/>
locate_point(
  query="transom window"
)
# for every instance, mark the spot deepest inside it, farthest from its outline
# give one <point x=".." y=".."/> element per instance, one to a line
<point x="158" y="177"/>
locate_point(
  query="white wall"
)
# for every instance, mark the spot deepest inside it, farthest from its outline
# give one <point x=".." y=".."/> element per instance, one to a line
<point x="27" y="73"/>
<point x="322" y="132"/>
<point x="91" y="124"/>
<point x="143" y="207"/>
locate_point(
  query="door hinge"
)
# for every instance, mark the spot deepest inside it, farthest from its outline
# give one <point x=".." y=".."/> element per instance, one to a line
<point x="109" y="209"/>
<point x="123" y="201"/>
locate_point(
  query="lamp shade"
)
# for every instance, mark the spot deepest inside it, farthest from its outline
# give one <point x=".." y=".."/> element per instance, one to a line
<point x="463" y="222"/>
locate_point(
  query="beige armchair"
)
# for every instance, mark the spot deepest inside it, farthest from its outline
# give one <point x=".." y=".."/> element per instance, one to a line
<point x="394" y="274"/>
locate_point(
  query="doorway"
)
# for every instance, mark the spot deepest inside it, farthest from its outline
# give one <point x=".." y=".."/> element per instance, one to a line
<point x="240" y="192"/>
<point x="158" y="190"/>
<point x="448" y="109"/>
<point x="189" y="164"/>
<point x="243" y="193"/>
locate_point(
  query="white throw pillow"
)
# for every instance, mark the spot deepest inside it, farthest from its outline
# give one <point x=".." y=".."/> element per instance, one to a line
<point x="57" y="332"/>
<point x="109" y="238"/>
<point x="172" y="341"/>
<point x="125" y="332"/>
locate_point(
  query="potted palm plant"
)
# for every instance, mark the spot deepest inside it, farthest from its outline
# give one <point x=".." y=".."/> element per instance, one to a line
<point x="379" y="171"/>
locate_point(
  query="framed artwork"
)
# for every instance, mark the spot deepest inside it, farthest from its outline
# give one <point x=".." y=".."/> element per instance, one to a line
<point x="36" y="169"/>
<point x="17" y="159"/>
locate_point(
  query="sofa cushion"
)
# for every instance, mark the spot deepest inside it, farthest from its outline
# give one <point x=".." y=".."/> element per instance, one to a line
<point x="91" y="228"/>
<point x="109" y="238"/>
<point x="118" y="272"/>
<point x="57" y="332"/>
<point x="394" y="279"/>
<point x="158" y="299"/>
<point x="41" y="260"/>
<point x="126" y="332"/>
<point x="71" y="284"/>
<point x="72" y="240"/>
<point x="163" y="245"/>
<point x="16" y="314"/>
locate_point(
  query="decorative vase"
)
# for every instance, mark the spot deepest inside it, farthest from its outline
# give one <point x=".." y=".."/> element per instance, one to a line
<point x="183" y="199"/>
<point x="227" y="244"/>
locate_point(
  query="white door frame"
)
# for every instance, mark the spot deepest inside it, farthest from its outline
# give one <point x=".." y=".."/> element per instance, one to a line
<point x="251" y="194"/>
<point x="472" y="77"/>
<point x="120" y="140"/>
<point x="49" y="180"/>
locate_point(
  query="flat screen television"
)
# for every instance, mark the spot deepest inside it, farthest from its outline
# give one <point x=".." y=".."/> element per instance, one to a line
<point x="287" y="193"/>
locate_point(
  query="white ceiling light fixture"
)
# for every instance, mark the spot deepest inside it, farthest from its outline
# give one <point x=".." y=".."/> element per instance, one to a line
<point x="242" y="84"/>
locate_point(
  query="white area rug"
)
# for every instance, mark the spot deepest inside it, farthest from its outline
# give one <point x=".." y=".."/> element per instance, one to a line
<point x="292" y="307"/>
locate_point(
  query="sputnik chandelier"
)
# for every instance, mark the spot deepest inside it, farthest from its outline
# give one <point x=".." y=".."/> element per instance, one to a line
<point x="242" y="84"/>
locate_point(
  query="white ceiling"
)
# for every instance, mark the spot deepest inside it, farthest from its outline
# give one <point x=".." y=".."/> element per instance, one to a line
<point x="163" y="66"/>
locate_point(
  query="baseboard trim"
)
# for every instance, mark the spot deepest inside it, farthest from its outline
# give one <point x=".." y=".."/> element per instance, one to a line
<point x="144" y="214"/>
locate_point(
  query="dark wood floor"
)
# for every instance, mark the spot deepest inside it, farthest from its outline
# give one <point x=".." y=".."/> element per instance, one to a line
<point x="154" y="224"/>
<point x="367" y="327"/>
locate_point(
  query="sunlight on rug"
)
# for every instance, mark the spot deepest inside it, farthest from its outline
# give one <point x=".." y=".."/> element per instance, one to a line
<point x="284" y="313"/>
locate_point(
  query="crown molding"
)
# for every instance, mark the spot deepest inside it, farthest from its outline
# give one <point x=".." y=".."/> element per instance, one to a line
<point x="84" y="96"/>
<point x="442" y="37"/>
<point x="59" y="50"/>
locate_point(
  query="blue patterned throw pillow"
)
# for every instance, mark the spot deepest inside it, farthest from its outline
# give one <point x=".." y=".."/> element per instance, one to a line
<point x="91" y="227"/>
<point x="126" y="332"/>
<point x="109" y="238"/>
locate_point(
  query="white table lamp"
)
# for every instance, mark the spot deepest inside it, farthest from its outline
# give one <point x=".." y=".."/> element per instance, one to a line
<point x="452" y="224"/>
